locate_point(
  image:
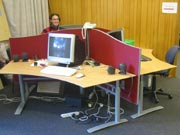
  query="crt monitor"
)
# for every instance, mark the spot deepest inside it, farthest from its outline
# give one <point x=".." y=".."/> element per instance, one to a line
<point x="118" y="34"/>
<point x="61" y="48"/>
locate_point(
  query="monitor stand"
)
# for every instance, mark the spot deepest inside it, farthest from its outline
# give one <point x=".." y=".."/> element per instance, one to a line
<point x="66" y="65"/>
<point x="62" y="65"/>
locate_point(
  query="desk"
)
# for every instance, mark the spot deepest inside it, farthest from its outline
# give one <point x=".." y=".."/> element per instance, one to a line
<point x="148" y="67"/>
<point x="93" y="76"/>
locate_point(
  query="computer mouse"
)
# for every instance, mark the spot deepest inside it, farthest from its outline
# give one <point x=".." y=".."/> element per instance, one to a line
<point x="79" y="75"/>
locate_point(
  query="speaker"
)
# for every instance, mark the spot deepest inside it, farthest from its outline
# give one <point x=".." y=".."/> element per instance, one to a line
<point x="24" y="56"/>
<point x="16" y="58"/>
<point x="122" y="68"/>
<point x="35" y="63"/>
<point x="111" y="70"/>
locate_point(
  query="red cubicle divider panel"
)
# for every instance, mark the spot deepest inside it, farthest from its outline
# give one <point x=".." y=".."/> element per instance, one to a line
<point x="110" y="51"/>
<point x="32" y="45"/>
<point x="36" y="45"/>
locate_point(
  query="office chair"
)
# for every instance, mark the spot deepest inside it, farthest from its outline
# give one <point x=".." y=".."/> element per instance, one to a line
<point x="169" y="58"/>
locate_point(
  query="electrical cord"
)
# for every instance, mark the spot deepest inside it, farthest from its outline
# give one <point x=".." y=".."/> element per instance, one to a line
<point x="85" y="116"/>
<point x="48" y="99"/>
<point x="7" y="100"/>
<point x="94" y="106"/>
<point x="112" y="112"/>
<point x="97" y="116"/>
<point x="110" y="107"/>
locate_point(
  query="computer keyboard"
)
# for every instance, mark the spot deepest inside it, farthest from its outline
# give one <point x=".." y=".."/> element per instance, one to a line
<point x="57" y="70"/>
<point x="145" y="58"/>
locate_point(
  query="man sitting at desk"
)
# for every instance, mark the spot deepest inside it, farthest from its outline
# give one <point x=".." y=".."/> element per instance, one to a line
<point x="54" y="20"/>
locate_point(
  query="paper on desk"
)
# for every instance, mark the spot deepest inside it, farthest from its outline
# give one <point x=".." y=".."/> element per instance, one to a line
<point x="40" y="63"/>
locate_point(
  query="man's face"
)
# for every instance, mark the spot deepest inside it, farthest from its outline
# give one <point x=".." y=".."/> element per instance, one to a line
<point x="55" y="20"/>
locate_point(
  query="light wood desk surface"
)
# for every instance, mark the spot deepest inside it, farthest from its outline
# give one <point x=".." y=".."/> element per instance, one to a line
<point x="154" y="65"/>
<point x="93" y="75"/>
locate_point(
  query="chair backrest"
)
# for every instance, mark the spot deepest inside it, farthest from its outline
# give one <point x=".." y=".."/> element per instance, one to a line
<point x="171" y="53"/>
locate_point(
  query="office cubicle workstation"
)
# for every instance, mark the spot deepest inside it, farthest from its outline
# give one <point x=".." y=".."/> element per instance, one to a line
<point x="106" y="51"/>
<point x="103" y="48"/>
<point x="113" y="54"/>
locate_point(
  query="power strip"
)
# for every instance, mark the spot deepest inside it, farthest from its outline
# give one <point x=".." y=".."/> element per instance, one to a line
<point x="66" y="115"/>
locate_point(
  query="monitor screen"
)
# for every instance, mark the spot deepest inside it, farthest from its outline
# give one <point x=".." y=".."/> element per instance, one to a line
<point x="118" y="34"/>
<point x="61" y="48"/>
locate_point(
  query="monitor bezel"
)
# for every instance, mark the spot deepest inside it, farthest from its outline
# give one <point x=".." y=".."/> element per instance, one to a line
<point x="62" y="60"/>
<point x="117" y="30"/>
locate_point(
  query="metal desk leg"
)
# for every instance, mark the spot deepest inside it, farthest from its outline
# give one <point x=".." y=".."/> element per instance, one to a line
<point x="81" y="91"/>
<point x="142" y="112"/>
<point x="178" y="64"/>
<point x="117" y="119"/>
<point x="24" y="97"/>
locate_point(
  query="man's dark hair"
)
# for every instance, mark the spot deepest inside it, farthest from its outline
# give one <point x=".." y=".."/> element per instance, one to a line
<point x="54" y="14"/>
